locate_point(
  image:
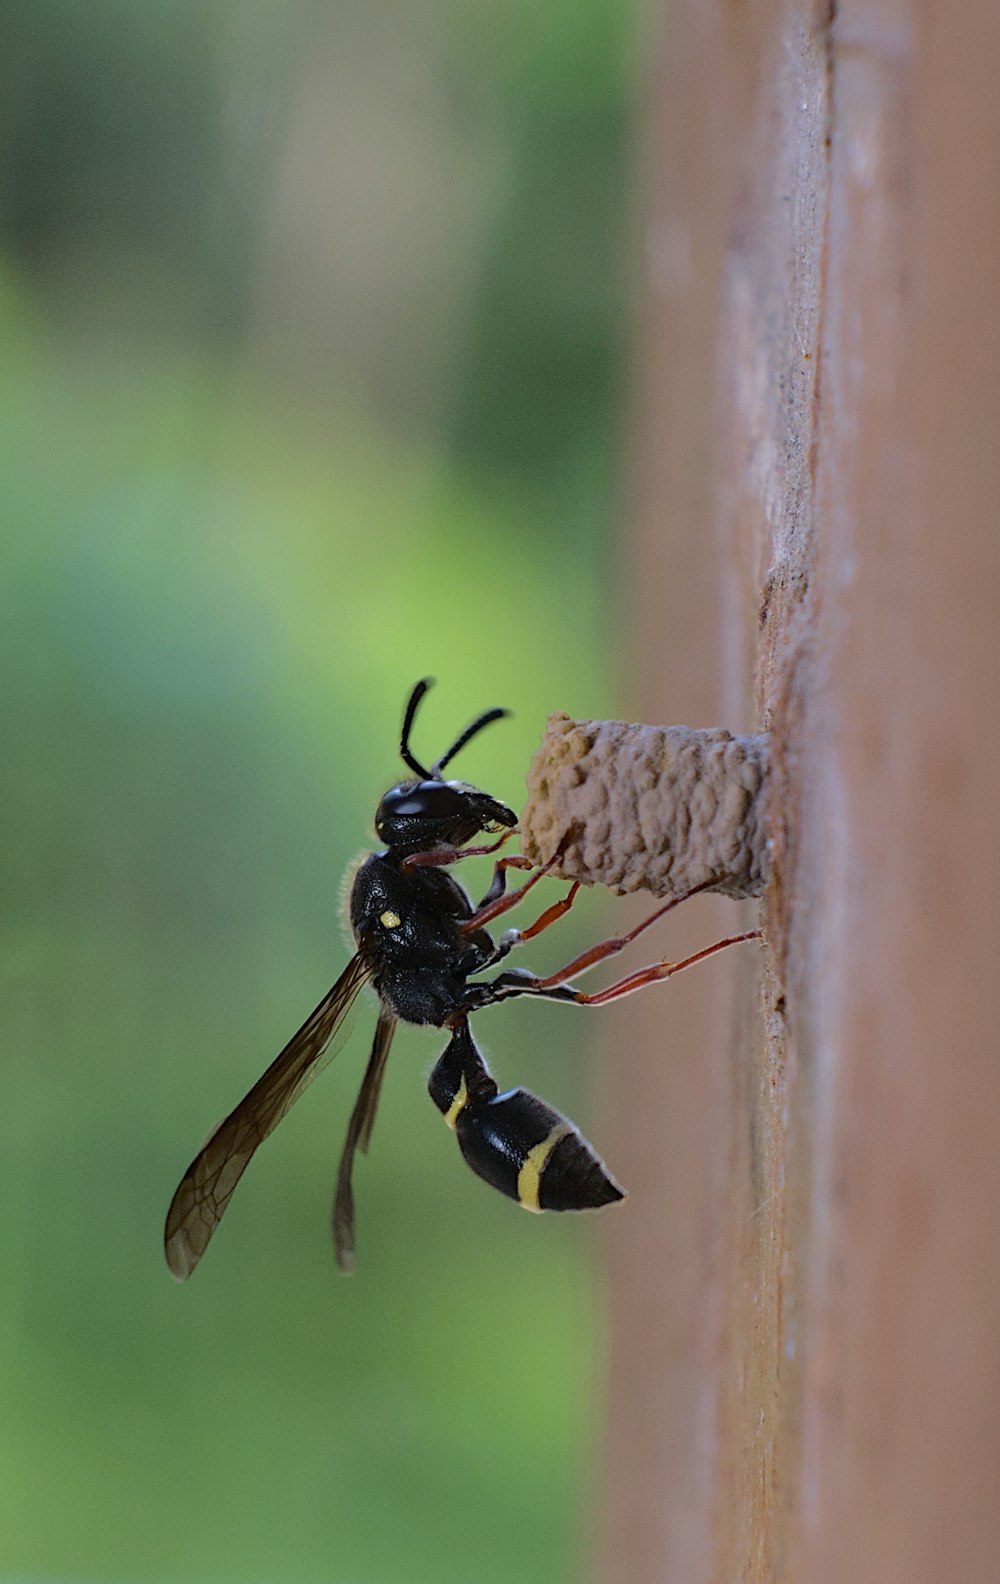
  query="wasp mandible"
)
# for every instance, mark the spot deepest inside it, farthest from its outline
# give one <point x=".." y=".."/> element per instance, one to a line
<point x="420" y="945"/>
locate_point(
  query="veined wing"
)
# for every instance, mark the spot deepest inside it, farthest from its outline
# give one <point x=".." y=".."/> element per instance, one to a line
<point x="359" y="1132"/>
<point x="210" y="1181"/>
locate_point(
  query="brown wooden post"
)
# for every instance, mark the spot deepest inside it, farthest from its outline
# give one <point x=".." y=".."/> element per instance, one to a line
<point x="805" y="1377"/>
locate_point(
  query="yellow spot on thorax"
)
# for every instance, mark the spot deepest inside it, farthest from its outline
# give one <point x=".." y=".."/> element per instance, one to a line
<point x="529" y="1178"/>
<point x="390" y="920"/>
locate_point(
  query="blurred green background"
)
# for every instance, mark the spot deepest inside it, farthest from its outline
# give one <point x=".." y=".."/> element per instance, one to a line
<point x="312" y="350"/>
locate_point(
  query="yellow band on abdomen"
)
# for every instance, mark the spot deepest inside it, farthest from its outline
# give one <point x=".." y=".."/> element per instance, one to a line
<point x="457" y="1105"/>
<point x="529" y="1178"/>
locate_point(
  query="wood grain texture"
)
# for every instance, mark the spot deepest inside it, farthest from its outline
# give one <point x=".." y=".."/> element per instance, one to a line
<point x="805" y="1379"/>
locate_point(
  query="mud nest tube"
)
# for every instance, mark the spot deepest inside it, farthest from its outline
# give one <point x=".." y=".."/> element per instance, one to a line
<point x="663" y="809"/>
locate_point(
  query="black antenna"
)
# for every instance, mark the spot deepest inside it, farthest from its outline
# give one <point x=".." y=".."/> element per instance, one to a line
<point x="469" y="732"/>
<point x="404" y="741"/>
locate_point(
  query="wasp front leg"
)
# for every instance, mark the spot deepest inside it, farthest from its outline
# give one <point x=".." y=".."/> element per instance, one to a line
<point x="514" y="1141"/>
<point x="498" y="885"/>
<point x="498" y="900"/>
<point x="443" y="857"/>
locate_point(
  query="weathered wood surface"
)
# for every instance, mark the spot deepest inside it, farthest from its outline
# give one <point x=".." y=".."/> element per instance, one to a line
<point x="805" y="1375"/>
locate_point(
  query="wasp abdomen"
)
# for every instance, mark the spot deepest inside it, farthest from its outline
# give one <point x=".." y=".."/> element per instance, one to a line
<point x="526" y="1150"/>
<point x="514" y="1141"/>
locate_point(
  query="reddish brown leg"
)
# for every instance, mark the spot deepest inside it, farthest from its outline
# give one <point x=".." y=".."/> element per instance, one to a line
<point x="441" y="857"/>
<point x="503" y="904"/>
<point x="498" y="883"/>
<point x="552" y="913"/>
<point x="655" y="971"/>
<point x="617" y="943"/>
<point x="517" y="861"/>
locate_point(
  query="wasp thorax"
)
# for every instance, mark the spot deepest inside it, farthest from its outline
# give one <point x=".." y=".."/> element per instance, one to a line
<point x="417" y="816"/>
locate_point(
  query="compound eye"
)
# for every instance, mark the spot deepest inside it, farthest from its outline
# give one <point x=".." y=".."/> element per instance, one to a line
<point x="420" y="806"/>
<point x="426" y="800"/>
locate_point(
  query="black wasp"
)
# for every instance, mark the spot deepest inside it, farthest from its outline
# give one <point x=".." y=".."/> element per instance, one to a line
<point x="419" y="943"/>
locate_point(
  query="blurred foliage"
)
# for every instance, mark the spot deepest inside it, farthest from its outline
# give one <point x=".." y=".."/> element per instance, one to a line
<point x="221" y="578"/>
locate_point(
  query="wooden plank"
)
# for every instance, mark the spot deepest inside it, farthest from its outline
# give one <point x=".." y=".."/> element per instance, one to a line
<point x="805" y="1376"/>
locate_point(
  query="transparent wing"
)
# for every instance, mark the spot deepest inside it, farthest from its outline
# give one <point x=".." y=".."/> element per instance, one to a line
<point x="359" y="1132"/>
<point x="210" y="1181"/>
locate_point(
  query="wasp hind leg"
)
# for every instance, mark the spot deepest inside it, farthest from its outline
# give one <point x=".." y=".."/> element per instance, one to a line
<point x="514" y="1141"/>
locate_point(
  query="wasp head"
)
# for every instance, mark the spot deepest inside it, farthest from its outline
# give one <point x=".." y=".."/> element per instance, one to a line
<point x="420" y="815"/>
<point x="417" y="816"/>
